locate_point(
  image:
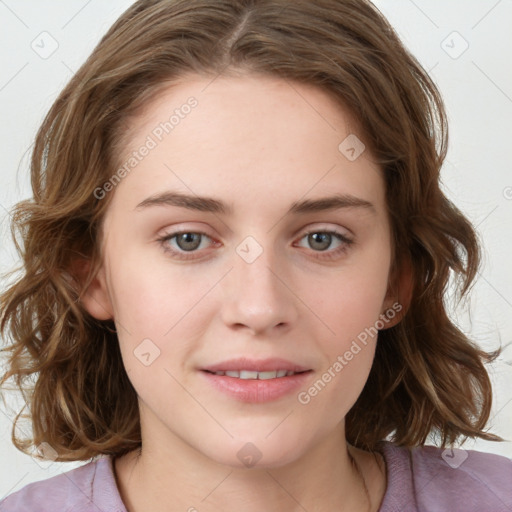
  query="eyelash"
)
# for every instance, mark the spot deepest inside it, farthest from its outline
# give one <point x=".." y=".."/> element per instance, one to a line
<point x="323" y="255"/>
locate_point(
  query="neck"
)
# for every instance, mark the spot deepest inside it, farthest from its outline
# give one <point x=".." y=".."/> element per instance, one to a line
<point x="332" y="476"/>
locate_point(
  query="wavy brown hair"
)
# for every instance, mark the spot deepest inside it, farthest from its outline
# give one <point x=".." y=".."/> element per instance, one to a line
<point x="427" y="377"/>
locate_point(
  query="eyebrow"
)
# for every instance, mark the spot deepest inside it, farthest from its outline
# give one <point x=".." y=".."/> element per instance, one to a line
<point x="211" y="205"/>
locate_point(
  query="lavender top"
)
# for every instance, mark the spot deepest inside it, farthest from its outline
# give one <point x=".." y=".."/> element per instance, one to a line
<point x="424" y="479"/>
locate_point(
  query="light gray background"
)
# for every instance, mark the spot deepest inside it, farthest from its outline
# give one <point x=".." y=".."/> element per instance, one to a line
<point x="477" y="88"/>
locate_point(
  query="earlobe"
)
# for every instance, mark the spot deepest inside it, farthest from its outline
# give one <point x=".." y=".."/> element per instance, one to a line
<point x="94" y="298"/>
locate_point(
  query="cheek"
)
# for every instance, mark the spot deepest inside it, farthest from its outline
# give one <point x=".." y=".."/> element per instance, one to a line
<point x="351" y="310"/>
<point x="352" y="299"/>
<point x="150" y="299"/>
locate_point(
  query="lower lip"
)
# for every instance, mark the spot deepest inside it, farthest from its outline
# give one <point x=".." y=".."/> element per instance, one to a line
<point x="256" y="390"/>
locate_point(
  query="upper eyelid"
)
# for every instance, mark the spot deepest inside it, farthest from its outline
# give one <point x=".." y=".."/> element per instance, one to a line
<point x="304" y="231"/>
<point x="325" y="230"/>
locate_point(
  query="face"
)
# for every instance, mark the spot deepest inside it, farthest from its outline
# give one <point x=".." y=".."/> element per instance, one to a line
<point x="245" y="238"/>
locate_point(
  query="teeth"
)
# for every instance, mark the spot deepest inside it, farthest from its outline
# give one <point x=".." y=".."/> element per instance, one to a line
<point x="267" y="375"/>
<point x="246" y="374"/>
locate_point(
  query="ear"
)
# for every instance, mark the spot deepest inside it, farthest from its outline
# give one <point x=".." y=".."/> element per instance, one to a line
<point x="399" y="295"/>
<point x="95" y="298"/>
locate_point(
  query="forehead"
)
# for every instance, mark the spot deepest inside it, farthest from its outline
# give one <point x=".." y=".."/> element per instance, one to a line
<point x="249" y="138"/>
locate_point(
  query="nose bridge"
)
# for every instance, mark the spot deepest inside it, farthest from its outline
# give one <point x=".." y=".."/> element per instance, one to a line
<point x="256" y="295"/>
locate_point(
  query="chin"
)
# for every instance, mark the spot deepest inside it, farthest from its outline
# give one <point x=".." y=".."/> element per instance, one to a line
<point x="258" y="453"/>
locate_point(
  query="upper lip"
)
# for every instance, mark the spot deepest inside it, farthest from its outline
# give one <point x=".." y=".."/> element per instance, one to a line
<point x="256" y="365"/>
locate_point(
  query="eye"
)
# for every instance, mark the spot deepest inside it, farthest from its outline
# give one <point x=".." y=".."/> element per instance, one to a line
<point x="320" y="241"/>
<point x="184" y="242"/>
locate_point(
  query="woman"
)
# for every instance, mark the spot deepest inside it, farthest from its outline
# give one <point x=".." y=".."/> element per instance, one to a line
<point x="249" y="255"/>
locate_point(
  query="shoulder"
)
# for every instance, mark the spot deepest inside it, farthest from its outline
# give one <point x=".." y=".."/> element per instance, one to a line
<point x="430" y="479"/>
<point x="83" y="489"/>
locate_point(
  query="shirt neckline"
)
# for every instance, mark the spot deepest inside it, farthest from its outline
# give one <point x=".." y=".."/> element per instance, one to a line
<point x="399" y="488"/>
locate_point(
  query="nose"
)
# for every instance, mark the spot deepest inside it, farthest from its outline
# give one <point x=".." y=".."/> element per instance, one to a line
<point x="258" y="296"/>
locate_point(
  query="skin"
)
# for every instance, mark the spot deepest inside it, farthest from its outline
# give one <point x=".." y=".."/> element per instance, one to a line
<point x="258" y="144"/>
